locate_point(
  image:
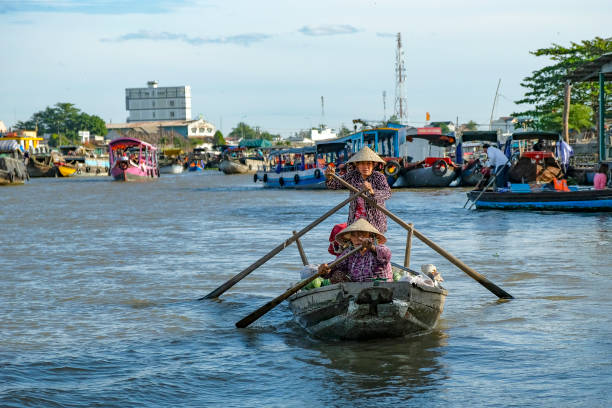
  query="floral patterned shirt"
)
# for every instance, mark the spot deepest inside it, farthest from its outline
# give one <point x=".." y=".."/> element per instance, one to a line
<point x="381" y="193"/>
<point x="366" y="267"/>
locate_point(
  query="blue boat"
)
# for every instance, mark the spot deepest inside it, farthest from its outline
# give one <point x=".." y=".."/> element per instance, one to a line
<point x="521" y="197"/>
<point x="298" y="168"/>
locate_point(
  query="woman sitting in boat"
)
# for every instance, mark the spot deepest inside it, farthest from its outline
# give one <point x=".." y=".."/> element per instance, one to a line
<point x="601" y="177"/>
<point x="372" y="262"/>
<point x="360" y="175"/>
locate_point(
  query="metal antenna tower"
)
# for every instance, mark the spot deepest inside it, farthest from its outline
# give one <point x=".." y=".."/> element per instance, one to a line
<point x="384" y="106"/>
<point x="400" y="75"/>
<point x="322" y="110"/>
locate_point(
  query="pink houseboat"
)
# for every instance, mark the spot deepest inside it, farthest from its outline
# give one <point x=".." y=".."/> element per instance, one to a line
<point x="132" y="160"/>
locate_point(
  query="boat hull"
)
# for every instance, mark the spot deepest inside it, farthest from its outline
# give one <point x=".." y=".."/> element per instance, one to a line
<point x="236" y="167"/>
<point x="66" y="171"/>
<point x="297" y="180"/>
<point x="172" y="169"/>
<point x="133" y="174"/>
<point x="574" y="201"/>
<point x="366" y="310"/>
<point x="424" y="177"/>
<point x="12" y="171"/>
<point x="41" y="166"/>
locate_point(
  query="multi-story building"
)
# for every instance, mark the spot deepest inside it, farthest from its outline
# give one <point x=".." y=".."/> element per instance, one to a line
<point x="158" y="103"/>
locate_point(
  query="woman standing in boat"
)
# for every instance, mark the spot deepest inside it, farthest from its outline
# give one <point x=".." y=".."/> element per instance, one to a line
<point x="362" y="175"/>
<point x="373" y="261"/>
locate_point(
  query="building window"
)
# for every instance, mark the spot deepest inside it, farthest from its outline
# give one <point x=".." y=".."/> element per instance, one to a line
<point x="171" y="103"/>
<point x="209" y="130"/>
<point x="171" y="114"/>
<point x="153" y="102"/>
<point x="153" y="114"/>
<point x="201" y="130"/>
<point x="193" y="130"/>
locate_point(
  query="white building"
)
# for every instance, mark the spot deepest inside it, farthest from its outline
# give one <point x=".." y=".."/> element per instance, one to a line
<point x="309" y="137"/>
<point x="155" y="104"/>
<point x="505" y="124"/>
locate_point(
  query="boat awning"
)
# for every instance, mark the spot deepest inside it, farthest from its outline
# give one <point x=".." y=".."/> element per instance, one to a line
<point x="301" y="150"/>
<point x="255" y="143"/>
<point x="330" y="147"/>
<point x="535" y="135"/>
<point x="479" y="135"/>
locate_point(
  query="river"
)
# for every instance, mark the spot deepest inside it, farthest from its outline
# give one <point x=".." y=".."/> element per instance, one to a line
<point x="100" y="282"/>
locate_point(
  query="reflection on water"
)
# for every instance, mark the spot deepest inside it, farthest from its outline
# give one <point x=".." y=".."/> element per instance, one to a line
<point x="383" y="367"/>
<point x="99" y="281"/>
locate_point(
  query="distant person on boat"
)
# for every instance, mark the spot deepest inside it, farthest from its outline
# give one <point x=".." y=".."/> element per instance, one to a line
<point x="601" y="177"/>
<point x="372" y="262"/>
<point x="360" y="175"/>
<point x="499" y="164"/>
<point x="539" y="146"/>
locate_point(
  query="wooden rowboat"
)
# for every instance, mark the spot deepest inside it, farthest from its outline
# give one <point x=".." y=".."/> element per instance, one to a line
<point x="365" y="310"/>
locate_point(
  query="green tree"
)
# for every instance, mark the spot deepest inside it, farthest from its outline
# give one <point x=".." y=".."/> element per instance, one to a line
<point x="546" y="87"/>
<point x="243" y="131"/>
<point x="471" y="125"/>
<point x="218" y="138"/>
<point x="580" y="119"/>
<point x="344" y="131"/>
<point x="64" y="119"/>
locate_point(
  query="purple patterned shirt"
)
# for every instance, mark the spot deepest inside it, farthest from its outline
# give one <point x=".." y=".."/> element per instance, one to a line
<point x="381" y="193"/>
<point x="366" y="267"/>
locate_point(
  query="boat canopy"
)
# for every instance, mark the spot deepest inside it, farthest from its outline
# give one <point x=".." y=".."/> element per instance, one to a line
<point x="436" y="140"/>
<point x="479" y="135"/>
<point x="9" y="146"/>
<point x="125" y="142"/>
<point x="535" y="134"/>
<point x="329" y="147"/>
<point x="255" y="143"/>
<point x="300" y="150"/>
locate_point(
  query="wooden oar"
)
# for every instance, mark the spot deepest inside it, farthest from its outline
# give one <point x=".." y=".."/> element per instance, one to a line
<point x="215" y="293"/>
<point x="484" y="189"/>
<point x="276" y="301"/>
<point x="496" y="290"/>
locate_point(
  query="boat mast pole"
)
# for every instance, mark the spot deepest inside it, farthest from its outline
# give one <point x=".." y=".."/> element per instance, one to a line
<point x="494" y="103"/>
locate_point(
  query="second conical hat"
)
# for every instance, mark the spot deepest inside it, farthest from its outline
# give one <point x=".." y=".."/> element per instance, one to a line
<point x="366" y="155"/>
<point x="361" y="225"/>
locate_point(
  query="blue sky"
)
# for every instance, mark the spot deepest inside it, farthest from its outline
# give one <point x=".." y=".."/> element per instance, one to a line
<point x="268" y="63"/>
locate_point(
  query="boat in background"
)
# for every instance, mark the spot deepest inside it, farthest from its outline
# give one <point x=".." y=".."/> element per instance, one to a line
<point x="298" y="168"/>
<point x="65" y="170"/>
<point x="12" y="168"/>
<point x="132" y="159"/>
<point x="424" y="162"/>
<point x="170" y="161"/>
<point x="239" y="160"/>
<point x="471" y="157"/>
<point x="542" y="198"/>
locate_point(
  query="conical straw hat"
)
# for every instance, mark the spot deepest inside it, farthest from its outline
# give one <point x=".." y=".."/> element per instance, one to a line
<point x="366" y="155"/>
<point x="360" y="225"/>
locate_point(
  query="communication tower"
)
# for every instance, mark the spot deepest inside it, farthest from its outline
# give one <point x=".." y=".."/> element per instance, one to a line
<point x="401" y="112"/>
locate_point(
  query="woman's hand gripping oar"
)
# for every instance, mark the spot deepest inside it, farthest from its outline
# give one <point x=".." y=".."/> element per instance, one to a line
<point x="275" y="302"/>
<point x="493" y="288"/>
<point x="237" y="278"/>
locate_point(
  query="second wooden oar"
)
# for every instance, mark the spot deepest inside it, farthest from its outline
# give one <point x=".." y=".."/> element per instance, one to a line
<point x="237" y="278"/>
<point x="493" y="288"/>
<point x="276" y="301"/>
